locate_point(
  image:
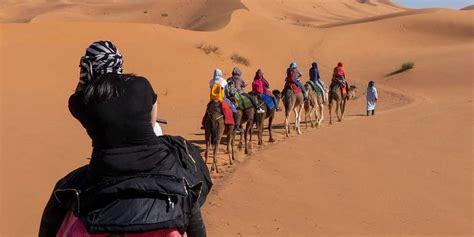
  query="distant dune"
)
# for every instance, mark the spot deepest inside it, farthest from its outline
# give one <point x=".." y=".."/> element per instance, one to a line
<point x="194" y="15"/>
<point x="470" y="7"/>
<point x="405" y="172"/>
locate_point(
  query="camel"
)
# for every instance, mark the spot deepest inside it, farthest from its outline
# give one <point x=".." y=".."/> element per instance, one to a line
<point x="314" y="105"/>
<point x="244" y="116"/>
<point x="214" y="130"/>
<point x="269" y="114"/>
<point x="335" y="93"/>
<point x="293" y="102"/>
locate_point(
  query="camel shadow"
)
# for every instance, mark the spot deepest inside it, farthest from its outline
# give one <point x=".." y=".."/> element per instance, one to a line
<point x="356" y="115"/>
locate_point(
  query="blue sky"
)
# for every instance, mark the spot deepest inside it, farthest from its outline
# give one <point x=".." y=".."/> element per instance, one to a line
<point x="456" y="4"/>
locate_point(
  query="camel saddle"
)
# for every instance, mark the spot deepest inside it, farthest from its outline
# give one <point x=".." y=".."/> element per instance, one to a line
<point x="293" y="87"/>
<point x="225" y="110"/>
<point x="243" y="102"/>
<point x="342" y="84"/>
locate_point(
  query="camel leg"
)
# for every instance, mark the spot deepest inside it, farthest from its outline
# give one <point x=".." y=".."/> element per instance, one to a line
<point x="230" y="144"/>
<point x="214" y="159"/>
<point x="208" y="144"/>
<point x="220" y="133"/>
<point x="246" y="151"/>
<point x="343" y="110"/>
<point x="321" y="114"/>
<point x="298" y="118"/>
<point x="241" y="143"/>
<point x="337" y="111"/>
<point x="248" y="132"/>
<point x="260" y="133"/>
<point x="237" y="123"/>
<point x="232" y="148"/>
<point x="270" y="122"/>
<point x="330" y="113"/>
<point x="250" y="124"/>
<point x="287" y="124"/>
<point x="308" y="114"/>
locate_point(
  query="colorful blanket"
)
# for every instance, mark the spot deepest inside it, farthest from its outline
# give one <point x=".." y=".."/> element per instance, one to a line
<point x="228" y="114"/>
<point x="292" y="86"/>
<point x="268" y="100"/>
<point x="243" y="102"/>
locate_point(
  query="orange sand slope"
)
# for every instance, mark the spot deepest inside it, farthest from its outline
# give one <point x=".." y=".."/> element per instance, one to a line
<point x="406" y="172"/>
<point x="195" y="15"/>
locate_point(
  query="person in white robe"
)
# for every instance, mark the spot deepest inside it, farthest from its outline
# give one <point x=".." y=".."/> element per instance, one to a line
<point x="372" y="98"/>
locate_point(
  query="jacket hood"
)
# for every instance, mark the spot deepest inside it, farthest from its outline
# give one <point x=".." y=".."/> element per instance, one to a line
<point x="236" y="72"/>
<point x="217" y="75"/>
<point x="258" y="74"/>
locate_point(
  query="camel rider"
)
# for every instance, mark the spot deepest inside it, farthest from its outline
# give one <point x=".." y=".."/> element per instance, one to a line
<point x="298" y="82"/>
<point x="260" y="86"/>
<point x="239" y="84"/>
<point x="340" y="76"/>
<point x="222" y="97"/>
<point x="316" y="79"/>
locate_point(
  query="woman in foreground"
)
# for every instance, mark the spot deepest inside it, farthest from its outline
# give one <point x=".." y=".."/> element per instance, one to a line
<point x="135" y="182"/>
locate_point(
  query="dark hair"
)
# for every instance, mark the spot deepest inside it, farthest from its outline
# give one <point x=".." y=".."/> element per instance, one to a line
<point x="105" y="87"/>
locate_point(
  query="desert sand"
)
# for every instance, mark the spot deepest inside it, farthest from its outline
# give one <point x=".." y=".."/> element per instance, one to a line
<point x="408" y="171"/>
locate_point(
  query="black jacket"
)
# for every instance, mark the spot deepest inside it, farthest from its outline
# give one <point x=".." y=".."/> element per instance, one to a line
<point x="133" y="189"/>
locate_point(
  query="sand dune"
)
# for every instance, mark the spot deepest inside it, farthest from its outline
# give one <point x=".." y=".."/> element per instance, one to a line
<point x="197" y="14"/>
<point x="316" y="12"/>
<point x="406" y="172"/>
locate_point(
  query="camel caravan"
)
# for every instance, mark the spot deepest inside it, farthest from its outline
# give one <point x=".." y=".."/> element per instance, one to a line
<point x="231" y="110"/>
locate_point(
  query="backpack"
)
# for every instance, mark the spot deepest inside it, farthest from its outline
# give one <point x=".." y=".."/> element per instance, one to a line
<point x="217" y="91"/>
<point x="196" y="171"/>
<point x="231" y="87"/>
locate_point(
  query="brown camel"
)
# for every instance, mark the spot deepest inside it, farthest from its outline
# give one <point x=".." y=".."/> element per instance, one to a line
<point x="269" y="114"/>
<point x="244" y="116"/>
<point x="293" y="102"/>
<point x="314" y="105"/>
<point x="214" y="130"/>
<point x="335" y="93"/>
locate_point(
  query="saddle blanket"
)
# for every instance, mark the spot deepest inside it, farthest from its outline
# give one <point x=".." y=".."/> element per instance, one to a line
<point x="268" y="100"/>
<point x="228" y="114"/>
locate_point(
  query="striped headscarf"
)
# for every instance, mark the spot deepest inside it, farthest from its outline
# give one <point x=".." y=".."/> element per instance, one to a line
<point x="101" y="57"/>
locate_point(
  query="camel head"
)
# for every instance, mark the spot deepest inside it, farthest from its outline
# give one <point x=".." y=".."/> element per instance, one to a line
<point x="307" y="87"/>
<point x="352" y="92"/>
<point x="277" y="94"/>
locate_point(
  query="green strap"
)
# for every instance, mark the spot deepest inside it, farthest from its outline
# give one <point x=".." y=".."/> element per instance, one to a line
<point x="315" y="88"/>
